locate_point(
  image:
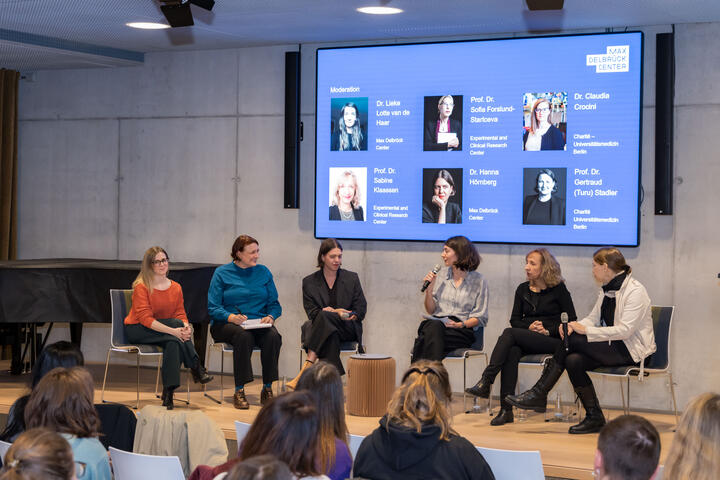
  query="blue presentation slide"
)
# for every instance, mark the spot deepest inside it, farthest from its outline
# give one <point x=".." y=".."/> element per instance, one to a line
<point x="527" y="140"/>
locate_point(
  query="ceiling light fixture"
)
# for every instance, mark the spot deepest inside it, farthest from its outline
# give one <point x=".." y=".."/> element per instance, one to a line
<point x="379" y="10"/>
<point x="147" y="25"/>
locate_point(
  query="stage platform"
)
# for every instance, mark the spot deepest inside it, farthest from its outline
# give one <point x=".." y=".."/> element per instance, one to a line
<point x="563" y="455"/>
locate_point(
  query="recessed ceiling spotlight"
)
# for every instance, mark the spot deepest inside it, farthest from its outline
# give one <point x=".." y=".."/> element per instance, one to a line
<point x="379" y="10"/>
<point x="147" y="25"/>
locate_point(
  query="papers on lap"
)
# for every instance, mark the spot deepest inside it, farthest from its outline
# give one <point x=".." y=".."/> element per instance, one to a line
<point x="252" y="323"/>
<point x="445" y="320"/>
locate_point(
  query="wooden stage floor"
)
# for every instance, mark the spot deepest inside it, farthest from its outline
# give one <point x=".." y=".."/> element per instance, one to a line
<point x="563" y="455"/>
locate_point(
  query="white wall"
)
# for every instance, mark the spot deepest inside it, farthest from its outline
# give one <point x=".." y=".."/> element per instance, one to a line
<point x="186" y="151"/>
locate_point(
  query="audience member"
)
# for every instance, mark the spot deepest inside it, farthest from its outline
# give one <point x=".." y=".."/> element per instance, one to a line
<point x="415" y="439"/>
<point x="322" y="379"/>
<point x="58" y="354"/>
<point x="695" y="450"/>
<point x="628" y="449"/>
<point x="63" y="402"/>
<point x="289" y="428"/>
<point x="39" y="454"/>
<point x="262" y="467"/>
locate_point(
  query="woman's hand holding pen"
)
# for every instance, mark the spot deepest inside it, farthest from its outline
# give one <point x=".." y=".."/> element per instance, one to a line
<point x="237" y="318"/>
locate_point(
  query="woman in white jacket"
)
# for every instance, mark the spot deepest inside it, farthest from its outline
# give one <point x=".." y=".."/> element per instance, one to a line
<point x="618" y="331"/>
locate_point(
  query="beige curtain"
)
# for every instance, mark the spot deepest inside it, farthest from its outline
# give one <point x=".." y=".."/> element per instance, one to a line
<point x="8" y="163"/>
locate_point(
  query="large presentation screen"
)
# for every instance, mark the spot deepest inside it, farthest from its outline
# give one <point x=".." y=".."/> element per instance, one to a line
<point x="528" y="140"/>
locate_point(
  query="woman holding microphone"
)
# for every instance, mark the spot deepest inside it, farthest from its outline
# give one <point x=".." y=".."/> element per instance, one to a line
<point x="618" y="331"/>
<point x="456" y="301"/>
<point x="534" y="323"/>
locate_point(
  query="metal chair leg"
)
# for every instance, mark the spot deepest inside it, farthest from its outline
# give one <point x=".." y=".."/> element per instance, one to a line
<point x="107" y="364"/>
<point x="672" y="393"/>
<point x="222" y="374"/>
<point x="137" y="389"/>
<point x="627" y="410"/>
<point x="157" y="377"/>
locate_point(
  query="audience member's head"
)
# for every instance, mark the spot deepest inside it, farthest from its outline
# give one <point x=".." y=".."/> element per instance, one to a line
<point x="628" y="449"/>
<point x="261" y="467"/>
<point x="423" y="398"/>
<point x="38" y="454"/>
<point x="287" y="427"/>
<point x="695" y="450"/>
<point x="58" y="354"/>
<point x="324" y="382"/>
<point x="63" y="401"/>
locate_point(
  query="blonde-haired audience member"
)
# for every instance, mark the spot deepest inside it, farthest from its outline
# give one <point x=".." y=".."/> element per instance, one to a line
<point x="628" y="449"/>
<point x="39" y="454"/>
<point x="695" y="451"/>
<point x="415" y="438"/>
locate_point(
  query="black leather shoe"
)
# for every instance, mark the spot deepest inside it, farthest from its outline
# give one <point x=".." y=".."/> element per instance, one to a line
<point x="505" y="415"/>
<point x="593" y="422"/>
<point x="536" y="398"/>
<point x="200" y="375"/>
<point x="239" y="400"/>
<point x="167" y="398"/>
<point x="265" y="396"/>
<point x="480" y="389"/>
<point x="594" y="419"/>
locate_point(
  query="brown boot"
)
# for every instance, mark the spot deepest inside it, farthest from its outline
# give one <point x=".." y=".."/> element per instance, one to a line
<point x="239" y="400"/>
<point x="293" y="383"/>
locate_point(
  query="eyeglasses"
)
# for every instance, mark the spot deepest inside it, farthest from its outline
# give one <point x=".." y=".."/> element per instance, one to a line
<point x="80" y="469"/>
<point x="542" y="109"/>
<point x="442" y="187"/>
<point x="161" y="262"/>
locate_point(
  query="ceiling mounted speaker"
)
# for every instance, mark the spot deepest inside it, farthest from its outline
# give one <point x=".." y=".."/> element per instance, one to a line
<point x="206" y="4"/>
<point x="534" y="5"/>
<point x="177" y="13"/>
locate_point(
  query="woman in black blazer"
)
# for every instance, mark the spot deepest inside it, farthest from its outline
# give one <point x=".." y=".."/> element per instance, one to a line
<point x="335" y="304"/>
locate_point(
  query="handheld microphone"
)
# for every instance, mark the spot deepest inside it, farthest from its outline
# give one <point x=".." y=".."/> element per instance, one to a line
<point x="426" y="283"/>
<point x="564" y="320"/>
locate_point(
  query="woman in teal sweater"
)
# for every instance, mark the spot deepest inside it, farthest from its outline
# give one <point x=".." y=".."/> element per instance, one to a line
<point x="240" y="291"/>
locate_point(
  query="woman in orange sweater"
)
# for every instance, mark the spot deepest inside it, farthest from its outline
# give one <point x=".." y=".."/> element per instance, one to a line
<point x="158" y="317"/>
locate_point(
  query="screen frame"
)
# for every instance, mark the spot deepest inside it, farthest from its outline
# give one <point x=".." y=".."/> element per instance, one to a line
<point x="640" y="191"/>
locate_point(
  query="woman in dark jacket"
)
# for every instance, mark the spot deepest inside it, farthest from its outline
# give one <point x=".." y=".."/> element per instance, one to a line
<point x="533" y="327"/>
<point x="415" y="440"/>
<point x="335" y="305"/>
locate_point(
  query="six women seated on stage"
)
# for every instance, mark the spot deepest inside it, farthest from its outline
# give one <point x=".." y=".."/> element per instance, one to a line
<point x="243" y="307"/>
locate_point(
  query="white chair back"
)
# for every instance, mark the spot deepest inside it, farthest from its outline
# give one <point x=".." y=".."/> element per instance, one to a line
<point x="131" y="466"/>
<point x="241" y="429"/>
<point x="4" y="447"/>
<point x="514" y="464"/>
<point x="355" y="441"/>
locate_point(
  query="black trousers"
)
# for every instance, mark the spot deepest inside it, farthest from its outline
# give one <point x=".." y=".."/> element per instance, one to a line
<point x="435" y="340"/>
<point x="243" y="341"/>
<point x="583" y="356"/>
<point x="175" y="350"/>
<point x="512" y="344"/>
<point x="326" y="333"/>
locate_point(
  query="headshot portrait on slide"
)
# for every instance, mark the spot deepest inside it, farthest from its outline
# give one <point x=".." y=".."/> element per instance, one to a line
<point x="348" y="120"/>
<point x="443" y="123"/>
<point x="544" y="191"/>
<point x="544" y="121"/>
<point x="347" y="188"/>
<point x="442" y="195"/>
